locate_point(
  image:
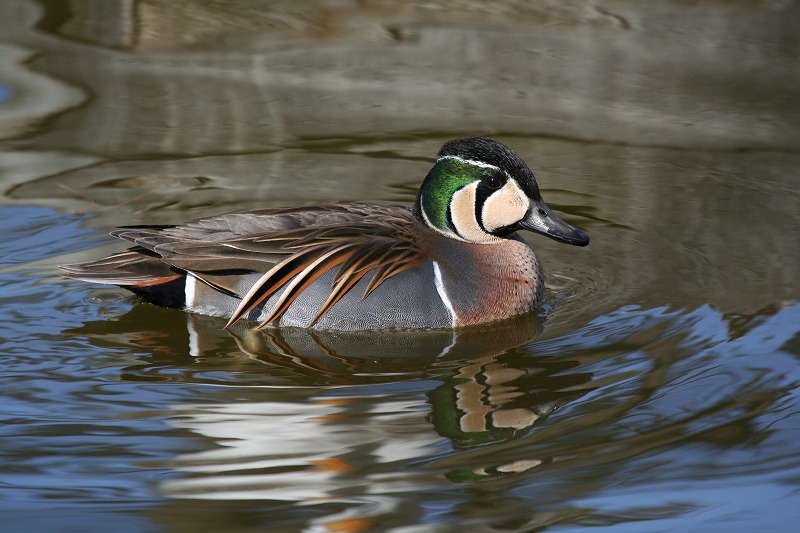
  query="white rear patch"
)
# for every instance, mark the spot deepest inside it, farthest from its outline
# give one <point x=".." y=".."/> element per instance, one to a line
<point x="504" y="207"/>
<point x="437" y="275"/>
<point x="191" y="283"/>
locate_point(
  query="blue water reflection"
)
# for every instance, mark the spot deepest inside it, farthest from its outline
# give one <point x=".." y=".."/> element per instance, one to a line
<point x="6" y="93"/>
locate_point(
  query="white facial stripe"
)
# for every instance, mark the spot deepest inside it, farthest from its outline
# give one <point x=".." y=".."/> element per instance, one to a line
<point x="470" y="162"/>
<point x="462" y="213"/>
<point x="504" y="207"/>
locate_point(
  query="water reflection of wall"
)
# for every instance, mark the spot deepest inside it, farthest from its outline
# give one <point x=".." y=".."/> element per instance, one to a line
<point x="249" y="79"/>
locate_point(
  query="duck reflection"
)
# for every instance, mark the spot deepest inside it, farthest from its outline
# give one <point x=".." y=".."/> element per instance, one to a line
<point x="315" y="414"/>
<point x="315" y="358"/>
<point x="186" y="347"/>
<point x="491" y="395"/>
<point x="496" y="398"/>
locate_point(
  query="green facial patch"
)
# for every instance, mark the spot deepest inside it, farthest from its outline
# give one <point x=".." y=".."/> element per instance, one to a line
<point x="445" y="178"/>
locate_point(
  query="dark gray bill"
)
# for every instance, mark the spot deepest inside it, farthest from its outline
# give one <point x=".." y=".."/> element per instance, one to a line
<point x="542" y="220"/>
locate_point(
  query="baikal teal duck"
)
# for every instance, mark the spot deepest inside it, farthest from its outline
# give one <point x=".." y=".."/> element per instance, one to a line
<point x="454" y="259"/>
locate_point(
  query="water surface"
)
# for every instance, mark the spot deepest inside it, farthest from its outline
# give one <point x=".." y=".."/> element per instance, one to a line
<point x="656" y="390"/>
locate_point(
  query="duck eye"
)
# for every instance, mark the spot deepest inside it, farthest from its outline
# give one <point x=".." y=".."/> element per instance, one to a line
<point x="493" y="181"/>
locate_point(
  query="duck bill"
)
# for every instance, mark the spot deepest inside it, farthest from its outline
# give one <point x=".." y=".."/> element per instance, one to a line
<point x="541" y="219"/>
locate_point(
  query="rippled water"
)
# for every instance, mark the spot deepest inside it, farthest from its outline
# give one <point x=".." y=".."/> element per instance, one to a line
<point x="656" y="391"/>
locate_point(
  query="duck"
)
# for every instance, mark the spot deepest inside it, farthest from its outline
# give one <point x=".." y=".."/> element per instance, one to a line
<point x="455" y="259"/>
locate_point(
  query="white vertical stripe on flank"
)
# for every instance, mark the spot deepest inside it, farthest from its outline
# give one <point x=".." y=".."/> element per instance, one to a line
<point x="442" y="293"/>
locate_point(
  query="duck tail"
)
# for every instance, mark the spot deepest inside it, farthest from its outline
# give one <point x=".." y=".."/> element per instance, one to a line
<point x="137" y="270"/>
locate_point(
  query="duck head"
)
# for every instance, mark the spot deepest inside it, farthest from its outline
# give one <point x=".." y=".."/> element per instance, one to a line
<point x="481" y="191"/>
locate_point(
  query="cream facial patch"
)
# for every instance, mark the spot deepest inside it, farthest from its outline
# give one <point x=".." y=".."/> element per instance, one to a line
<point x="505" y="207"/>
<point x="462" y="213"/>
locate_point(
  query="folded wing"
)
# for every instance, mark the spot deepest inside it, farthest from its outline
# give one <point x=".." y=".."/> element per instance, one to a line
<point x="291" y="248"/>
